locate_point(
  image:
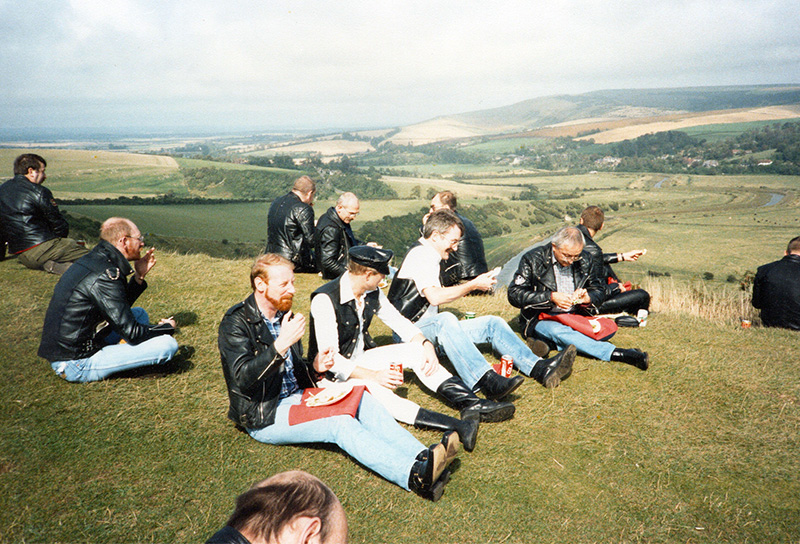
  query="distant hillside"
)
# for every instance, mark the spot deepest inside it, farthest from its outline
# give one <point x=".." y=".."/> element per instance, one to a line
<point x="595" y="106"/>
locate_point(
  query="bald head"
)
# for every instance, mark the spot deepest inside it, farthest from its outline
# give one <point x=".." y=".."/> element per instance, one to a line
<point x="347" y="207"/>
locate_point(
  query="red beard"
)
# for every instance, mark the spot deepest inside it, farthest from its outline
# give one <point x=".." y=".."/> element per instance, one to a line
<point x="283" y="304"/>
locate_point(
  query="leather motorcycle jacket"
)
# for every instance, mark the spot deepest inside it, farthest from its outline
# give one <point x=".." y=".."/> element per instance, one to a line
<point x="535" y="280"/>
<point x="91" y="298"/>
<point x="332" y="241"/>
<point x="603" y="262"/>
<point x="29" y="214"/>
<point x="290" y="231"/>
<point x="253" y="368"/>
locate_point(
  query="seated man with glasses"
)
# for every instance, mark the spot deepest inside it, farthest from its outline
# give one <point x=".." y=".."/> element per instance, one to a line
<point x="560" y="278"/>
<point x="90" y="313"/>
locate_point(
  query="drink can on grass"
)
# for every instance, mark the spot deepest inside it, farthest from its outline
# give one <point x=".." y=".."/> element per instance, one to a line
<point x="505" y="366"/>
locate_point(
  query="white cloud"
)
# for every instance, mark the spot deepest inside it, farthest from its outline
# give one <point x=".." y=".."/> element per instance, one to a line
<point x="358" y="62"/>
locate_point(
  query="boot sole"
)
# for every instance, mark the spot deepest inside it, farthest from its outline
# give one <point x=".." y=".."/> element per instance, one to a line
<point x="515" y="383"/>
<point x="564" y="369"/>
<point x="497" y="415"/>
<point x="451" y="441"/>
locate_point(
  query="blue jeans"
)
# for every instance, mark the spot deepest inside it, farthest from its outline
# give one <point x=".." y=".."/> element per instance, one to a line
<point x="458" y="338"/>
<point x="116" y="358"/>
<point x="561" y="335"/>
<point x="374" y="438"/>
<point x="139" y="314"/>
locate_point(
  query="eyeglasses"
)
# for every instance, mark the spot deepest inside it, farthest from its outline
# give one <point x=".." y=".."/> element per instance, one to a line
<point x="140" y="238"/>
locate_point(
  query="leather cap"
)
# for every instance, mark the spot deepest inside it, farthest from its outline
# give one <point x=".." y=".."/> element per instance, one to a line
<point x="372" y="257"/>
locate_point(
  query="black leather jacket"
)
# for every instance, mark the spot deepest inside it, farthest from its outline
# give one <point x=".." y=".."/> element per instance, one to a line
<point x="776" y="291"/>
<point x="92" y="291"/>
<point x="603" y="262"/>
<point x="404" y="295"/>
<point x="29" y="215"/>
<point x="535" y="280"/>
<point x="290" y="231"/>
<point x="253" y="368"/>
<point x="332" y="240"/>
<point x="227" y="535"/>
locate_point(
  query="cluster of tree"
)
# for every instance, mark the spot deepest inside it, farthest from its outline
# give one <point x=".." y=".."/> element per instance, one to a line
<point x="659" y="144"/>
<point x="248" y="184"/>
<point x="365" y="186"/>
<point x="167" y="198"/>
<point x="277" y="161"/>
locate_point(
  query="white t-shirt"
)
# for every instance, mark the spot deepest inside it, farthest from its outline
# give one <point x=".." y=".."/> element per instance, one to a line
<point x="422" y="265"/>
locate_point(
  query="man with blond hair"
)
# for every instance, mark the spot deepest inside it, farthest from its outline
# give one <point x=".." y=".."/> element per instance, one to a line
<point x="290" y="225"/>
<point x="91" y="305"/>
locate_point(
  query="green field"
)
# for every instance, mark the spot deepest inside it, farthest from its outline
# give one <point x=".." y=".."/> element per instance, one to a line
<point x="715" y="133"/>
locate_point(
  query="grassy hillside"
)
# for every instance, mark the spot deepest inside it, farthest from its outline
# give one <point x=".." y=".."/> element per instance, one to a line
<point x="701" y="448"/>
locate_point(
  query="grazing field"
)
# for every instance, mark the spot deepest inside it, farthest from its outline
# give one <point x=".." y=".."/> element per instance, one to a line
<point x="700" y="448"/>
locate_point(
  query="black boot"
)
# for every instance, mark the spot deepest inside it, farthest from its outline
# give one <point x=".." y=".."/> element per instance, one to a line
<point x="467" y="429"/>
<point x="463" y="399"/>
<point x="426" y="476"/>
<point x="551" y="372"/>
<point x="495" y="386"/>
<point x="634" y="357"/>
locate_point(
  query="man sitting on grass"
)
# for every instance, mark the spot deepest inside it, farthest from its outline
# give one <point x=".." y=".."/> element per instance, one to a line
<point x="266" y="375"/>
<point x="91" y="311"/>
<point x="560" y="278"/>
<point x="776" y="289"/>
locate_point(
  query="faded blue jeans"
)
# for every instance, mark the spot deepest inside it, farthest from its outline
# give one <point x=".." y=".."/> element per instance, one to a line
<point x="117" y="357"/>
<point x="561" y="335"/>
<point x="458" y="338"/>
<point x="374" y="438"/>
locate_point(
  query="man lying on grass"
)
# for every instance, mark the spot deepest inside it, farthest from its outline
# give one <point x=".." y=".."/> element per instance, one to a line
<point x="266" y="375"/>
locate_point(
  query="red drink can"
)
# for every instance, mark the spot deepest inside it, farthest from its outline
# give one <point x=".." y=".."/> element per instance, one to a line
<point x="505" y="366"/>
<point x="396" y="366"/>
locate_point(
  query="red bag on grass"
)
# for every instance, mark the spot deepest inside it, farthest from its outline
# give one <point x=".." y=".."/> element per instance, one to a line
<point x="598" y="328"/>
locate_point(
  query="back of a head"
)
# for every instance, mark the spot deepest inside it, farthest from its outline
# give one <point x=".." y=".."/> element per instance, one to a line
<point x="592" y="218"/>
<point x="568" y="237"/>
<point x="441" y="221"/>
<point x="26" y="161"/>
<point x="304" y="184"/>
<point x="272" y="504"/>
<point x="448" y="198"/>
<point x="794" y="246"/>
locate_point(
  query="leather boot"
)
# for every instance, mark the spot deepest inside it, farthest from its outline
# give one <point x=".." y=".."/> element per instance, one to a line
<point x="634" y="357"/>
<point x="463" y="399"/>
<point x="425" y="478"/>
<point x="467" y="429"/>
<point x="551" y="372"/>
<point x="495" y="386"/>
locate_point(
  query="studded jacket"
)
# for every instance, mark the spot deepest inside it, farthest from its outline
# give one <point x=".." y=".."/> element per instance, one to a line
<point x="92" y="298"/>
<point x="252" y="366"/>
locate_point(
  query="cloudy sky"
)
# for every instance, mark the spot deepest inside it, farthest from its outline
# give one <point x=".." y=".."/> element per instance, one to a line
<point x="269" y="65"/>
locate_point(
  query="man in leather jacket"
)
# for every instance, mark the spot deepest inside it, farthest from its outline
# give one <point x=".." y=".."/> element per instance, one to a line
<point x="469" y="260"/>
<point x="31" y="222"/>
<point x="417" y="292"/>
<point x="92" y="300"/>
<point x="618" y="297"/>
<point x="266" y="374"/>
<point x="290" y="225"/>
<point x="334" y="237"/>
<point x="291" y="506"/>
<point x="776" y="289"/>
<point x="560" y="277"/>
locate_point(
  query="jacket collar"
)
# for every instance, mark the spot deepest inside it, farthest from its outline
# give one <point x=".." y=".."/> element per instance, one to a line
<point x="335" y="217"/>
<point x="792" y="257"/>
<point x="115" y="256"/>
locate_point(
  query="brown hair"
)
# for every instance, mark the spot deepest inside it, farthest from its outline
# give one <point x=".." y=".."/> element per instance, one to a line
<point x="441" y="221"/>
<point x="794" y="245"/>
<point x="593" y="218"/>
<point x="448" y="198"/>
<point x="304" y="184"/>
<point x="28" y="160"/>
<point x="267" y="507"/>
<point x="260" y="268"/>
